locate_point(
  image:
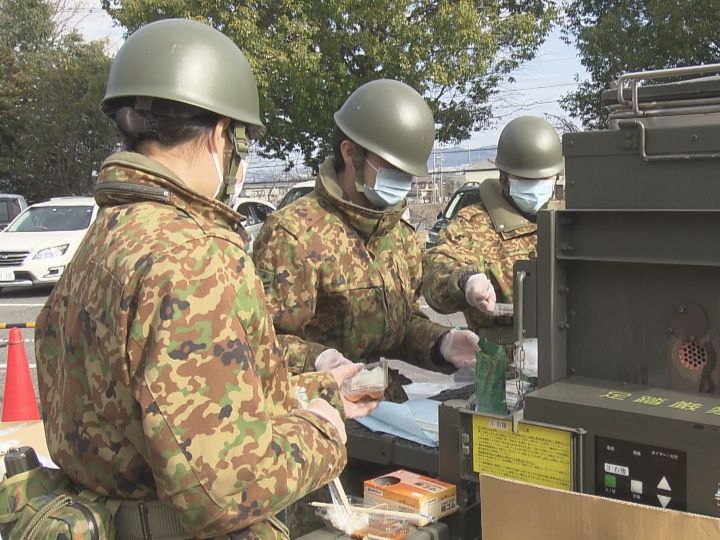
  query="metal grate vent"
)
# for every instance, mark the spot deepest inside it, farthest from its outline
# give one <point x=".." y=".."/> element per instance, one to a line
<point x="692" y="355"/>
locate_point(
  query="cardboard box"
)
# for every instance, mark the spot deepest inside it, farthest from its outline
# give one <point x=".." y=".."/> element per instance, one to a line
<point x="410" y="492"/>
<point x="512" y="510"/>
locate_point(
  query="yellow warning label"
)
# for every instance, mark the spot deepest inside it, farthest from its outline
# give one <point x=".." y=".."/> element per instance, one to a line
<point x="535" y="454"/>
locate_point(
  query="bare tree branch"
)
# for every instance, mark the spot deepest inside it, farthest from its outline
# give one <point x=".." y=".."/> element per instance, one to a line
<point x="68" y="15"/>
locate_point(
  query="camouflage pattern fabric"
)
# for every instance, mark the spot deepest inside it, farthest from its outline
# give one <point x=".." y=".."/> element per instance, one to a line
<point x="66" y="516"/>
<point x="18" y="490"/>
<point x="341" y="276"/>
<point x="158" y="367"/>
<point x="472" y="243"/>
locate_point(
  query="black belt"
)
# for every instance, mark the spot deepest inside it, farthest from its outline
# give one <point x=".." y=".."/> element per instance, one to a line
<point x="148" y="520"/>
<point x="155" y="520"/>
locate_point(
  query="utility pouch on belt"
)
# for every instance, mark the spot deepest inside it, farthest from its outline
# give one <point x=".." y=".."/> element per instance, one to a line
<point x="64" y="515"/>
<point x="43" y="503"/>
<point x="39" y="502"/>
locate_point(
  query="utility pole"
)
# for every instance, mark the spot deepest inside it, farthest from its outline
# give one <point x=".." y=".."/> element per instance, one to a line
<point x="441" y="196"/>
<point x="434" y="171"/>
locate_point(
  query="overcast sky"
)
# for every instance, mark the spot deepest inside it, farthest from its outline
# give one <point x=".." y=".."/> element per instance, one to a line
<point x="539" y="85"/>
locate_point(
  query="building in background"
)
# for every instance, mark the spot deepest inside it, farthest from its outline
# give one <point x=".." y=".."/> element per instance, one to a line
<point x="449" y="169"/>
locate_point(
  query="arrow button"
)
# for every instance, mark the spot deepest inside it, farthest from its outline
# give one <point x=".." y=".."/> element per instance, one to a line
<point x="663" y="484"/>
<point x="664" y="500"/>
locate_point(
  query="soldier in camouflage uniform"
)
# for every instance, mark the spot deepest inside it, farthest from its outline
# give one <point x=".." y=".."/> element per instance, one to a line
<point x="471" y="266"/>
<point x="341" y="268"/>
<point x="159" y="372"/>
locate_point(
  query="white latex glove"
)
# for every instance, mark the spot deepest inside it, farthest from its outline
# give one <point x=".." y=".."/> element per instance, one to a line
<point x="330" y="359"/>
<point x="459" y="347"/>
<point x="352" y="409"/>
<point x="480" y="293"/>
<point x="324" y="410"/>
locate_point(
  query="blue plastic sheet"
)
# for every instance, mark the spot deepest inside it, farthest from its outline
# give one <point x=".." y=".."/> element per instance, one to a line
<point x="415" y="420"/>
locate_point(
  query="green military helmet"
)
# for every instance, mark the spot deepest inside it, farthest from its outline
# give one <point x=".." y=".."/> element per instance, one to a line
<point x="529" y="147"/>
<point x="187" y="62"/>
<point x="392" y="120"/>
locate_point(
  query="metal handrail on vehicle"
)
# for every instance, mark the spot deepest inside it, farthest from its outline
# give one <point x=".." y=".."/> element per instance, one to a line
<point x="634" y="78"/>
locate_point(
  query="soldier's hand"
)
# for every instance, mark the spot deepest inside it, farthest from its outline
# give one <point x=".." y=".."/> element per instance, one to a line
<point x="459" y="347"/>
<point x="352" y="409"/>
<point x="480" y="293"/>
<point x="330" y="359"/>
<point x="323" y="409"/>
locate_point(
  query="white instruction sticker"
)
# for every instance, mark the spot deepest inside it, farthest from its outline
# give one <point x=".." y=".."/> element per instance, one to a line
<point x="617" y="469"/>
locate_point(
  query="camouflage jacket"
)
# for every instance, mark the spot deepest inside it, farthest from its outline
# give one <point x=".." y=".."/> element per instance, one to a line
<point x="341" y="276"/>
<point x="159" y="371"/>
<point x="485" y="237"/>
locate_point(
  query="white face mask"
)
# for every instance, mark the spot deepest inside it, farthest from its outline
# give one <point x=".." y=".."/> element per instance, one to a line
<point x="239" y="180"/>
<point x="391" y="186"/>
<point x="218" y="166"/>
<point x="530" y="195"/>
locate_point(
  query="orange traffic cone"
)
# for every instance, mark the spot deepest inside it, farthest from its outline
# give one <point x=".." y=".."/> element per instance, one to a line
<point x="19" y="401"/>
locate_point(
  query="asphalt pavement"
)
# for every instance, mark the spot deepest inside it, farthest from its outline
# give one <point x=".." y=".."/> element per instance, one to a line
<point x="24" y="305"/>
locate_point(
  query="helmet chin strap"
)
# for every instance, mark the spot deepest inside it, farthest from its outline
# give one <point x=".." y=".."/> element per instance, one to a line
<point x="228" y="186"/>
<point x="359" y="166"/>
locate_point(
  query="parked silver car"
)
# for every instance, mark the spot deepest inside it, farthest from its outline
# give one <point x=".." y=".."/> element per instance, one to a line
<point x="10" y="207"/>
<point x="256" y="212"/>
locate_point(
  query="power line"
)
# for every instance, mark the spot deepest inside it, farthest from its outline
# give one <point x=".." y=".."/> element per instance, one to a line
<point x="546" y="86"/>
<point x="89" y="11"/>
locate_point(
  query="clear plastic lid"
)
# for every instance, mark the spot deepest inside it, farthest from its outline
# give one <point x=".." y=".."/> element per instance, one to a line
<point x="365" y="520"/>
<point x="369" y="384"/>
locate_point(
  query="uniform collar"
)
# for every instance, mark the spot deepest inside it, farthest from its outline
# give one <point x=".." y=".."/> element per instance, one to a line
<point x="368" y="222"/>
<point x="507" y="221"/>
<point x="128" y="177"/>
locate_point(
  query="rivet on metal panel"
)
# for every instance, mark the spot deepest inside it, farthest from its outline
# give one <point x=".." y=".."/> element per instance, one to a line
<point x="571" y="143"/>
<point x="563" y="289"/>
<point x="564" y="325"/>
<point x="669" y="330"/>
<point x="572" y="183"/>
<point x="566" y="248"/>
<point x="695" y="137"/>
<point x="627" y="144"/>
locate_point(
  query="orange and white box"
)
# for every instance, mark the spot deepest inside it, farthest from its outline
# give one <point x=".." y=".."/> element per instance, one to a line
<point x="406" y="491"/>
